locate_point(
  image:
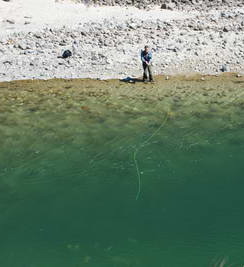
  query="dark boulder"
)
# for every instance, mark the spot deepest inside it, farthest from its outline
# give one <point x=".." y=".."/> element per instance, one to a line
<point x="66" y="54"/>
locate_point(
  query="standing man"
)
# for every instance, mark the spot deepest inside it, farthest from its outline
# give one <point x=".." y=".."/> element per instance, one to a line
<point x="146" y="58"/>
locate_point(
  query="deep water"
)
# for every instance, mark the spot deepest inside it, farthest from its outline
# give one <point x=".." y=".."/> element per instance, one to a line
<point x="68" y="187"/>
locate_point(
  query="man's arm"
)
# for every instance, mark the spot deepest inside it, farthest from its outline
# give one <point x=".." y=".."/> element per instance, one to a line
<point x="142" y="57"/>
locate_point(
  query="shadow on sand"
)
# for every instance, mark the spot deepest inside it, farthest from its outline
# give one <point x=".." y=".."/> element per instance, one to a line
<point x="131" y="80"/>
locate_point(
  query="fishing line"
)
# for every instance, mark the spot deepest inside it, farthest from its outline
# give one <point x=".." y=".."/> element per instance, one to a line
<point x="138" y="149"/>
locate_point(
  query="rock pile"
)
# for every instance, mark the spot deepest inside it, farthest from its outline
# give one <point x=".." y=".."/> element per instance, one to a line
<point x="207" y="43"/>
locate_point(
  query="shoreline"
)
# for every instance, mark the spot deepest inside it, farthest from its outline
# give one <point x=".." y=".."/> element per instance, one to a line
<point x="134" y="79"/>
<point x="138" y="79"/>
<point x="216" y="101"/>
<point x="106" y="41"/>
<point x="183" y="86"/>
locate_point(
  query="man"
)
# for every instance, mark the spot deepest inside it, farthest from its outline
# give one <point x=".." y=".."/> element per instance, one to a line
<point x="146" y="58"/>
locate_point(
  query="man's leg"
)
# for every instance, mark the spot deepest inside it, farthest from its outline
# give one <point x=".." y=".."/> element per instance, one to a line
<point x="144" y="71"/>
<point x="150" y="72"/>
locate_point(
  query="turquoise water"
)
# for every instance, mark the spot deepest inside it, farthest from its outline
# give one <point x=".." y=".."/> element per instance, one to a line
<point x="68" y="190"/>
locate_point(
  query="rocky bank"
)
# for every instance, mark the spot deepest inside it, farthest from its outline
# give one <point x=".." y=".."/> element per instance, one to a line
<point x="207" y="41"/>
<point x="168" y="4"/>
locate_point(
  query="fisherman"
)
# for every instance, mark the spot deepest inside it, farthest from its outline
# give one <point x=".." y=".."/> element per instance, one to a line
<point x="146" y="58"/>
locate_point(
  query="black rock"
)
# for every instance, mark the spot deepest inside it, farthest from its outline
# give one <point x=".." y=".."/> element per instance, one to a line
<point x="225" y="29"/>
<point x="66" y="54"/>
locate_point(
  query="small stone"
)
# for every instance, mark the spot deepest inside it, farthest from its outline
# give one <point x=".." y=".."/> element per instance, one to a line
<point x="7" y="62"/>
<point x="225" y="29"/>
<point x="167" y="6"/>
<point x="63" y="43"/>
<point x="10" y="21"/>
<point x="223" y="68"/>
<point x="223" y="14"/>
<point x="21" y="46"/>
<point x="38" y="36"/>
<point x="164" y="6"/>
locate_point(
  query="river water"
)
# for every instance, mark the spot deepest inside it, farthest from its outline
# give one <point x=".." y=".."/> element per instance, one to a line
<point x="137" y="184"/>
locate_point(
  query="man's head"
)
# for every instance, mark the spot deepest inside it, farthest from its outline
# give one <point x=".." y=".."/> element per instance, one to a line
<point x="146" y="48"/>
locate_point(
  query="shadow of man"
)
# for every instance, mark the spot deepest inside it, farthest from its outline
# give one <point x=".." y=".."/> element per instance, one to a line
<point x="131" y="80"/>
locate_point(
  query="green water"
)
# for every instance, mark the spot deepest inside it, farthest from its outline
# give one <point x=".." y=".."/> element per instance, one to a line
<point x="69" y="184"/>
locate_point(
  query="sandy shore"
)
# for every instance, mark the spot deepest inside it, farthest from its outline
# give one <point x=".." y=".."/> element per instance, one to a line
<point x="177" y="92"/>
<point x="106" y="41"/>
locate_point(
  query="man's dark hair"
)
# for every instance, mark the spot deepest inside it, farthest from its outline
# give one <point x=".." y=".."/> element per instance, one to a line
<point x="146" y="46"/>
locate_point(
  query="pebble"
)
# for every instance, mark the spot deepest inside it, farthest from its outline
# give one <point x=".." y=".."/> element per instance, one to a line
<point x="223" y="68"/>
<point x="112" y="48"/>
<point x="10" y="21"/>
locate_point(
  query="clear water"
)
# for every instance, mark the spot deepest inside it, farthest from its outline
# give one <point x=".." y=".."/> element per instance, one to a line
<point x="69" y="184"/>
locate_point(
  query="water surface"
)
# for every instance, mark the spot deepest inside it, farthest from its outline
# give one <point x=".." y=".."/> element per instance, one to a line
<point x="69" y="179"/>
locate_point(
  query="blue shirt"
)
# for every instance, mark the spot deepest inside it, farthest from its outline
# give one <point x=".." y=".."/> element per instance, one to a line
<point x="146" y="57"/>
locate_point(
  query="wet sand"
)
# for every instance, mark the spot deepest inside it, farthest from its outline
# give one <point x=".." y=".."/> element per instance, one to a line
<point x="169" y="94"/>
<point x="54" y="108"/>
